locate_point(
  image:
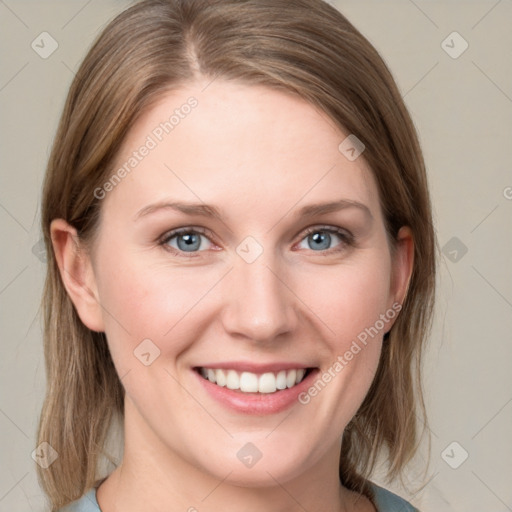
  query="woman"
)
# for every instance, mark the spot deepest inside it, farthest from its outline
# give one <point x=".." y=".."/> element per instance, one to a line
<point x="241" y="265"/>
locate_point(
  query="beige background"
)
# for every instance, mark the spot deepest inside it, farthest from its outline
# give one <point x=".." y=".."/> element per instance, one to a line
<point x="463" y="110"/>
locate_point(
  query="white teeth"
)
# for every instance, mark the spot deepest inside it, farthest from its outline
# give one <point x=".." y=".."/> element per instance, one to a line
<point x="267" y="383"/>
<point x="249" y="382"/>
<point x="232" y="380"/>
<point x="290" y="378"/>
<point x="281" y="380"/>
<point x="221" y="378"/>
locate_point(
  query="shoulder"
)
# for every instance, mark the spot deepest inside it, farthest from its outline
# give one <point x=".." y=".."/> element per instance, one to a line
<point x="87" y="503"/>
<point x="386" y="501"/>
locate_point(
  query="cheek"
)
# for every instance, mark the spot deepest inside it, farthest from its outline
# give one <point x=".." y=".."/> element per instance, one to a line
<point x="350" y="302"/>
<point x="350" y="299"/>
<point x="143" y="301"/>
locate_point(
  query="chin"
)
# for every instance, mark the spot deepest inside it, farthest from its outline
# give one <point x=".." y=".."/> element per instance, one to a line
<point x="259" y="463"/>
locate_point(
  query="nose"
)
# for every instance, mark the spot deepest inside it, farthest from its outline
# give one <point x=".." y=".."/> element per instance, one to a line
<point x="258" y="304"/>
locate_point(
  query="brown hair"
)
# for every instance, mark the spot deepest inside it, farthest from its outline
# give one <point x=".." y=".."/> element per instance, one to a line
<point x="304" y="47"/>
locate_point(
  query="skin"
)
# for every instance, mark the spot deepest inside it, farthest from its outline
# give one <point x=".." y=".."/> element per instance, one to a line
<point x="258" y="156"/>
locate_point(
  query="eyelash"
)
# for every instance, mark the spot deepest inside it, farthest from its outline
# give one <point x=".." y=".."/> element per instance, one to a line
<point x="347" y="239"/>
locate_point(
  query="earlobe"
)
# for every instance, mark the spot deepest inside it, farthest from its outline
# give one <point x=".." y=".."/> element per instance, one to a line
<point x="77" y="274"/>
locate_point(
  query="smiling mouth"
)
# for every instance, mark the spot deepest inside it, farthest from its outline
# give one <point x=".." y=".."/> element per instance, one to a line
<point x="248" y="382"/>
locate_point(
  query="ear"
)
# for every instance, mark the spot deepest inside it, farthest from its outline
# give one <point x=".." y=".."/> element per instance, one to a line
<point x="402" y="265"/>
<point x="77" y="273"/>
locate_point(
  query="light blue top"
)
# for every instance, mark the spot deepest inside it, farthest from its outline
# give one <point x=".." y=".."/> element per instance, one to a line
<point x="385" y="500"/>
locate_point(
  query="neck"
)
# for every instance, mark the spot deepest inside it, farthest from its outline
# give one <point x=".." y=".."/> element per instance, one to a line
<point x="152" y="477"/>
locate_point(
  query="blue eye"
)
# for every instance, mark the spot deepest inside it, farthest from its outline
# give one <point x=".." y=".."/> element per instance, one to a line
<point x="187" y="241"/>
<point x="322" y="239"/>
<point x="319" y="239"/>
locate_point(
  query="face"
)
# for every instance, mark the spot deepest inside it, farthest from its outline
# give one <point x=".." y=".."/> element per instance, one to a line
<point x="245" y="281"/>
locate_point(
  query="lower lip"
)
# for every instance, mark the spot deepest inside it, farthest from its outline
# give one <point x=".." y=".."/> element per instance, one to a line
<point x="257" y="403"/>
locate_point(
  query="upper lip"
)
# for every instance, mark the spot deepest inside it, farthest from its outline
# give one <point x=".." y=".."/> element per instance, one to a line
<point x="244" y="366"/>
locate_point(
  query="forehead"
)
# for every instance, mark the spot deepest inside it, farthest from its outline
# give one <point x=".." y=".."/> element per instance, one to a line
<point x="237" y="146"/>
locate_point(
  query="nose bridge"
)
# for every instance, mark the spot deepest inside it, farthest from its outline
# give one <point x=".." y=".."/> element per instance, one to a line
<point x="258" y="306"/>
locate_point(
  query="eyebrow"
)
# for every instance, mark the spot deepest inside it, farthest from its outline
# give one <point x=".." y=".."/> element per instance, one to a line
<point x="187" y="208"/>
<point x="342" y="204"/>
<point x="205" y="210"/>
